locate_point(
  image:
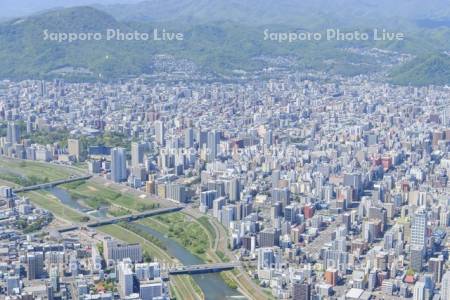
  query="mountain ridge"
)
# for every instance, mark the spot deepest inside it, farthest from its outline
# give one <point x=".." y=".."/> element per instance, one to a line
<point x="422" y="71"/>
<point x="220" y="46"/>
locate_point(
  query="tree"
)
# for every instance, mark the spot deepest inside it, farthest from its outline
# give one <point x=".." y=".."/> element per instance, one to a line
<point x="146" y="257"/>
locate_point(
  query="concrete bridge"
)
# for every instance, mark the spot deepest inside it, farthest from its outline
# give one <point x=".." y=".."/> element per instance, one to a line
<point x="115" y="220"/>
<point x="205" y="268"/>
<point x="48" y="185"/>
<point x="134" y="217"/>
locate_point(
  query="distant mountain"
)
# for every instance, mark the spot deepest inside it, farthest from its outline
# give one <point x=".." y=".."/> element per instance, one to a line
<point x="426" y="70"/>
<point x="24" y="51"/>
<point x="20" y="8"/>
<point x="252" y="12"/>
<point x="306" y="13"/>
<point x="216" y="45"/>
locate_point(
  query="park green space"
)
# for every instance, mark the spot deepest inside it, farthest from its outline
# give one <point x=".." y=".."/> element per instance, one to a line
<point x="196" y="235"/>
<point x="207" y="225"/>
<point x="96" y="195"/>
<point x="183" y="229"/>
<point x="33" y="170"/>
<point x="49" y="202"/>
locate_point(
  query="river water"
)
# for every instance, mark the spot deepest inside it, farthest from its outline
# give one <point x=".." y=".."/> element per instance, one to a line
<point x="212" y="285"/>
<point x="67" y="199"/>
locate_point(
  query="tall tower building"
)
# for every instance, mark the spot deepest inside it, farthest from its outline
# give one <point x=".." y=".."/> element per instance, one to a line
<point x="160" y="132"/>
<point x="213" y="145"/>
<point x="118" y="165"/>
<point x="418" y="228"/>
<point x="125" y="278"/>
<point x="419" y="291"/>
<point x="13" y="133"/>
<point x="137" y="154"/>
<point x="445" y="288"/>
<point x="235" y="190"/>
<point x="301" y="291"/>
<point x="268" y="138"/>
<point x="188" y="138"/>
<point x="74" y="148"/>
<point x="35" y="265"/>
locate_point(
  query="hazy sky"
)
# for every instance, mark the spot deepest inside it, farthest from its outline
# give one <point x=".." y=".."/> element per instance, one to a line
<point x="16" y="8"/>
<point x="393" y="8"/>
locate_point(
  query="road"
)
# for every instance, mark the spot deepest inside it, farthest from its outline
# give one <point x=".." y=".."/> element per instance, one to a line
<point x="204" y="268"/>
<point x="50" y="184"/>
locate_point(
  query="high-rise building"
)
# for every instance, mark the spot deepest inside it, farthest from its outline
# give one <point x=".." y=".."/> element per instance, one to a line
<point x="419" y="291"/>
<point x="435" y="267"/>
<point x="176" y="192"/>
<point x="266" y="258"/>
<point x="445" y="288"/>
<point x="301" y="291"/>
<point x="160" y="132"/>
<point x="354" y="181"/>
<point x="290" y="213"/>
<point x="268" y="138"/>
<point x="235" y="190"/>
<point x="228" y="215"/>
<point x="74" y="148"/>
<point x="6" y="192"/>
<point x="281" y="195"/>
<point x="418" y="228"/>
<point x="331" y="276"/>
<point x="188" y="138"/>
<point x="217" y="206"/>
<point x="54" y="279"/>
<point x="137" y="154"/>
<point x="275" y="211"/>
<point x="213" y="145"/>
<point x="125" y="278"/>
<point x="118" y="165"/>
<point x="13" y="133"/>
<point x="12" y="282"/>
<point x="147" y="271"/>
<point x="150" y="290"/>
<point x="207" y="198"/>
<point x="275" y="178"/>
<point x="115" y="251"/>
<point x="269" y="237"/>
<point x="218" y="186"/>
<point x="35" y="265"/>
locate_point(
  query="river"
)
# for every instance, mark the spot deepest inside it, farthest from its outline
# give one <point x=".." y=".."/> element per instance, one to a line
<point x="67" y="199"/>
<point x="212" y="285"/>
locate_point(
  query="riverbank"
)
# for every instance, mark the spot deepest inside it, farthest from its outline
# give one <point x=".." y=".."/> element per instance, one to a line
<point x="90" y="193"/>
<point x="51" y="203"/>
<point x="182" y="286"/>
<point x="96" y="195"/>
<point x="183" y="230"/>
<point x="212" y="284"/>
<point x="196" y="235"/>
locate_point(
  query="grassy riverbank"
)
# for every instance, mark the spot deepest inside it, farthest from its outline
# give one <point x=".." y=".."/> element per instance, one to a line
<point x="96" y="195"/>
<point x="196" y="235"/>
<point x="49" y="202"/>
<point x="182" y="229"/>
